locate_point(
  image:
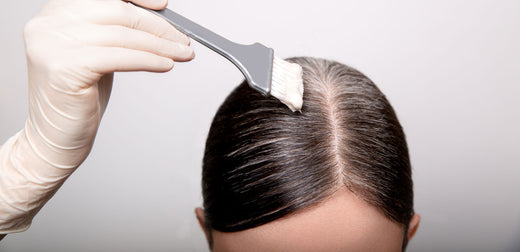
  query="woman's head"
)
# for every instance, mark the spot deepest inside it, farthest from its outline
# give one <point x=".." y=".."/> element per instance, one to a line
<point x="337" y="174"/>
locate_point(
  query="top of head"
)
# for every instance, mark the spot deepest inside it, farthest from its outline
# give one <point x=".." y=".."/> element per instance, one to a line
<point x="263" y="162"/>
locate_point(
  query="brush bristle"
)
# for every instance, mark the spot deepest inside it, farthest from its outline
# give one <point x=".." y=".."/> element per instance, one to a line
<point x="287" y="83"/>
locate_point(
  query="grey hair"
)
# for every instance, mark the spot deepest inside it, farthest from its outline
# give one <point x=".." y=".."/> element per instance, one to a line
<point x="263" y="162"/>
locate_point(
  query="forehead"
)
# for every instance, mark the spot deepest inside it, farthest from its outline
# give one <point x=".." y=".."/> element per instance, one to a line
<point x="341" y="223"/>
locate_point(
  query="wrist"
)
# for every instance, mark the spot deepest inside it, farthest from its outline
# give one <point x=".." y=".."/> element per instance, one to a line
<point x="63" y="155"/>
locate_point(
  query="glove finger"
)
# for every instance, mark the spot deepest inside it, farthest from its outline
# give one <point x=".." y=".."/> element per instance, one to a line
<point x="131" y="16"/>
<point x="151" y="4"/>
<point x="104" y="60"/>
<point x="120" y="36"/>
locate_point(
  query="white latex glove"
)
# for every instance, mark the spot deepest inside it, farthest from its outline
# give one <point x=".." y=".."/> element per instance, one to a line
<point x="73" y="47"/>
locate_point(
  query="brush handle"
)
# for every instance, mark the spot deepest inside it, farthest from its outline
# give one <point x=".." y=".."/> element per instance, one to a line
<point x="204" y="36"/>
<point x="254" y="61"/>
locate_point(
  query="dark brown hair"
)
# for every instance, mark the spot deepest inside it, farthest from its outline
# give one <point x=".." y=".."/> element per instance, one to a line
<point x="263" y="161"/>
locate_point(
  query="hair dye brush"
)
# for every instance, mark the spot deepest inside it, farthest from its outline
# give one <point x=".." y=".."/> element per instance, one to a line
<point x="263" y="71"/>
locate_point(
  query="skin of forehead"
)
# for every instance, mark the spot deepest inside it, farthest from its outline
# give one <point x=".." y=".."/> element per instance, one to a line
<point x="343" y="222"/>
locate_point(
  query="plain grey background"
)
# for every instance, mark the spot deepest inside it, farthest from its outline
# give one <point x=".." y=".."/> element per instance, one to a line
<point x="450" y="68"/>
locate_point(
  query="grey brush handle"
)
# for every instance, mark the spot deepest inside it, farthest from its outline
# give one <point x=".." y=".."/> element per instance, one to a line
<point x="204" y="36"/>
<point x="254" y="61"/>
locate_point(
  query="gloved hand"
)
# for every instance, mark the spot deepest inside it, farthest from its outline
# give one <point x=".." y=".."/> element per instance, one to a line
<point x="73" y="47"/>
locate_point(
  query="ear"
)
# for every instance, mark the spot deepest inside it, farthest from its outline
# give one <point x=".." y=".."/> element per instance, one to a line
<point x="413" y="226"/>
<point x="199" y="212"/>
